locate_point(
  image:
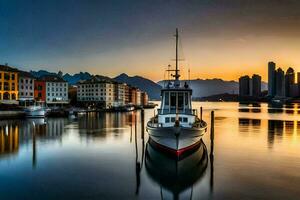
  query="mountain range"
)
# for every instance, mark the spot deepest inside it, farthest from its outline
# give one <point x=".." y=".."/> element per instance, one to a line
<point x="201" y="87"/>
<point x="152" y="88"/>
<point x="208" y="87"/>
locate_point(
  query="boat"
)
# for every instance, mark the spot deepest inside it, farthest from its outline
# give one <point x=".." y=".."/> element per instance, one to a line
<point x="36" y="110"/>
<point x="176" y="177"/>
<point x="176" y="127"/>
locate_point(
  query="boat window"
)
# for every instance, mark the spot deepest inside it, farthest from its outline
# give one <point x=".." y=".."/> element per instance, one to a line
<point x="167" y="98"/>
<point x="173" y="99"/>
<point x="186" y="100"/>
<point x="180" y="100"/>
<point x="185" y="119"/>
<point x="172" y="119"/>
<point x="167" y="120"/>
<point x="180" y="119"/>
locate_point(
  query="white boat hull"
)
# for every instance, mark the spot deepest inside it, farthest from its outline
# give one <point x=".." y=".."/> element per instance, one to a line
<point x="36" y="113"/>
<point x="176" y="138"/>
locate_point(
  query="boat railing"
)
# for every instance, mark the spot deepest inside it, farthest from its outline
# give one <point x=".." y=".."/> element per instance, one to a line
<point x="180" y="111"/>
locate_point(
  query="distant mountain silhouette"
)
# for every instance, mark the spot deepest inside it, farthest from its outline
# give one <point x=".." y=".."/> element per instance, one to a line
<point x="208" y="87"/>
<point x="41" y="73"/>
<point x="71" y="79"/>
<point x="144" y="84"/>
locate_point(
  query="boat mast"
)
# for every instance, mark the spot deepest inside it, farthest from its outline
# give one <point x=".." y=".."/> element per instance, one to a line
<point x="176" y="60"/>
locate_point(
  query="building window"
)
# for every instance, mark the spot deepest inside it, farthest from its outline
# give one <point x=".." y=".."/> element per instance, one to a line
<point x="12" y="77"/>
<point x="6" y="77"/>
<point x="26" y="81"/>
<point x="6" y="86"/>
<point x="172" y="119"/>
<point x="167" y="120"/>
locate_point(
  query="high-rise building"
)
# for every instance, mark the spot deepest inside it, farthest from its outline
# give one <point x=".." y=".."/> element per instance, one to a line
<point x="289" y="81"/>
<point x="244" y="86"/>
<point x="271" y="79"/>
<point x="256" y="85"/>
<point x="280" y="83"/>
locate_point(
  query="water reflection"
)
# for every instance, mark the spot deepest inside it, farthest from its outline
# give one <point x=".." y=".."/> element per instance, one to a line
<point x="15" y="133"/>
<point x="99" y="124"/>
<point x="176" y="177"/>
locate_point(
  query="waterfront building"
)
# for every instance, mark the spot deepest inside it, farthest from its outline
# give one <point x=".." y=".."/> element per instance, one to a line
<point x="96" y="91"/>
<point x="56" y="91"/>
<point x="26" y="88"/>
<point x="144" y="98"/>
<point x="244" y="86"/>
<point x="255" y="84"/>
<point x="271" y="79"/>
<point x="280" y="83"/>
<point x="289" y="81"/>
<point x="40" y="90"/>
<point x="9" y="92"/>
<point x="294" y="90"/>
<point x="127" y="94"/>
<point x="138" y="97"/>
<point x="132" y="95"/>
<point x="120" y="92"/>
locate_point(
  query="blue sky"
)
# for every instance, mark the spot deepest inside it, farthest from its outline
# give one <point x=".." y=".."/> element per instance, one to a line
<point x="135" y="37"/>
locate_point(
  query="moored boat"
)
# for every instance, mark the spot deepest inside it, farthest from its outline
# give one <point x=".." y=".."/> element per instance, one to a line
<point x="36" y="110"/>
<point x="176" y="127"/>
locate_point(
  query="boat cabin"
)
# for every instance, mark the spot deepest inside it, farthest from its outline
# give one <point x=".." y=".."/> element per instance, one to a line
<point x="176" y="104"/>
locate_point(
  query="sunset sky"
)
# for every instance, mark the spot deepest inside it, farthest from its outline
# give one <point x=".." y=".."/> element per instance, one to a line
<point x="220" y="38"/>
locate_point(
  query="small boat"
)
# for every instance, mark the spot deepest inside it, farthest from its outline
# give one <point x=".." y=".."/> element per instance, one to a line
<point x="176" y="127"/>
<point x="37" y="110"/>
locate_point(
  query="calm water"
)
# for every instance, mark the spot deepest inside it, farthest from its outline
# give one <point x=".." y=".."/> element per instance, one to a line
<point x="106" y="156"/>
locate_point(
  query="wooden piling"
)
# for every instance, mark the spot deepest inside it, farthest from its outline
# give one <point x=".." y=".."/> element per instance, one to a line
<point x="201" y="113"/>
<point x="211" y="155"/>
<point x="212" y="126"/>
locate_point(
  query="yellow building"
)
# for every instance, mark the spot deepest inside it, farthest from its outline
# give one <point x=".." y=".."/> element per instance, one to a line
<point x="8" y="84"/>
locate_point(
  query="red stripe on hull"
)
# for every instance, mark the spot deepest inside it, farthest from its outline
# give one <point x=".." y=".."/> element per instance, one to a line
<point x="178" y="152"/>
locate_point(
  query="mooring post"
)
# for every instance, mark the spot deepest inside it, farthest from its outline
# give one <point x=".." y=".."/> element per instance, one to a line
<point x="201" y="113"/>
<point x="211" y="155"/>
<point x="212" y="126"/>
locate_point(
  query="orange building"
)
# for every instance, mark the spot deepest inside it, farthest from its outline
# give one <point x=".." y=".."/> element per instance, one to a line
<point x="9" y="92"/>
<point x="40" y="90"/>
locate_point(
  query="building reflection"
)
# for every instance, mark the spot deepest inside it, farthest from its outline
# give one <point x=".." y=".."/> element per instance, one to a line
<point x="9" y="138"/>
<point x="15" y="133"/>
<point x="246" y="123"/>
<point x="99" y="124"/>
<point x="250" y="108"/>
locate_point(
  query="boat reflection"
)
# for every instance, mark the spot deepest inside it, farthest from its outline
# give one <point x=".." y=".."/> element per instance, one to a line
<point x="176" y="177"/>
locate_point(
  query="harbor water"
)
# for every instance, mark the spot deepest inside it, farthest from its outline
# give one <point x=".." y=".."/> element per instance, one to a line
<point x="107" y="156"/>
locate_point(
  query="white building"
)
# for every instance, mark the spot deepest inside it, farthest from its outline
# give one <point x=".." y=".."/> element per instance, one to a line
<point x="96" y="91"/>
<point x="120" y="94"/>
<point x="138" y="97"/>
<point x="26" y="87"/>
<point x="56" y="90"/>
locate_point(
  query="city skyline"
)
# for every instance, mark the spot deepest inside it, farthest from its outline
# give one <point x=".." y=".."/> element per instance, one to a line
<point x="135" y="37"/>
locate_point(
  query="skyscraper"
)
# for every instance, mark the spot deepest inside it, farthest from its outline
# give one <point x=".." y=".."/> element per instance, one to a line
<point x="256" y="85"/>
<point x="289" y="81"/>
<point x="280" y="83"/>
<point x="244" y="86"/>
<point x="271" y="79"/>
